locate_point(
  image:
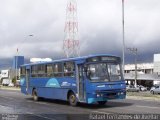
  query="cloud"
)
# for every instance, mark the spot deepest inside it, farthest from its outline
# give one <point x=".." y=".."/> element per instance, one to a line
<point x="100" y="26"/>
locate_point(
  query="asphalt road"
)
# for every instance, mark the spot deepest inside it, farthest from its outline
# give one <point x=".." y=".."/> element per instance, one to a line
<point x="14" y="102"/>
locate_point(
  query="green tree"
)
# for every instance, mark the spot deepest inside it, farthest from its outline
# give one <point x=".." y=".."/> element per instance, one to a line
<point x="14" y="80"/>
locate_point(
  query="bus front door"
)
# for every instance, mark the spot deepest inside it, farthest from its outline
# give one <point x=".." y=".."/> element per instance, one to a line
<point x="27" y="80"/>
<point x="81" y="83"/>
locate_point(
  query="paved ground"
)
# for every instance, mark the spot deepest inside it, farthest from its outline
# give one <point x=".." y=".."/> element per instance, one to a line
<point x="14" y="102"/>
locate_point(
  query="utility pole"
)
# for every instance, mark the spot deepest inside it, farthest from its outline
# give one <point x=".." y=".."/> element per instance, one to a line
<point x="16" y="61"/>
<point x="134" y="51"/>
<point x="123" y="32"/>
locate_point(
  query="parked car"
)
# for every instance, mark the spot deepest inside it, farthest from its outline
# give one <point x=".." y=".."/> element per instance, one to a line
<point x="131" y="88"/>
<point x="142" y="88"/>
<point x="5" y="82"/>
<point x="155" y="90"/>
<point x="11" y="85"/>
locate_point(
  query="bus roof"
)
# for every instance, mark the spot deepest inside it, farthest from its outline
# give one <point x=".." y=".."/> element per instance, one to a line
<point x="69" y="59"/>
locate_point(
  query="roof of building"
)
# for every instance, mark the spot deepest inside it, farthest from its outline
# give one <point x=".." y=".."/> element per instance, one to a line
<point x="131" y="76"/>
<point x="139" y="66"/>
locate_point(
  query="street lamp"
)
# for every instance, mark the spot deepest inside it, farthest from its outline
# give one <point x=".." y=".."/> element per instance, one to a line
<point x="16" y="57"/>
<point x="134" y="51"/>
<point x="19" y="47"/>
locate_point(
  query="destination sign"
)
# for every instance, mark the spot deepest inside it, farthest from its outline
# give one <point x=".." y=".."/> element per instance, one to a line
<point x="108" y="58"/>
<point x="103" y="58"/>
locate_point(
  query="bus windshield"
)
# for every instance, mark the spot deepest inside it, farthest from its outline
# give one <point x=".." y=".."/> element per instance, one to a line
<point x="104" y="72"/>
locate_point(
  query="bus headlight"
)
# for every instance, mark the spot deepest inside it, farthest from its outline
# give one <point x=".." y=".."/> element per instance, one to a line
<point x="122" y="93"/>
<point x="101" y="95"/>
<point x="98" y="95"/>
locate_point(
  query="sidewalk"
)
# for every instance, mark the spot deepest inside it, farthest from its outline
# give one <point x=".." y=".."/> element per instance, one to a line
<point x="143" y="96"/>
<point x="9" y="88"/>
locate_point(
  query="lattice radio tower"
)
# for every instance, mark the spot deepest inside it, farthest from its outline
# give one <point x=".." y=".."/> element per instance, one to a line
<point x="71" y="40"/>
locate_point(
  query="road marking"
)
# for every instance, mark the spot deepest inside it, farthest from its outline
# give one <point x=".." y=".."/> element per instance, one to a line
<point x="101" y="112"/>
<point x="148" y="107"/>
<point x="43" y="103"/>
<point x="2" y="106"/>
<point x="117" y="110"/>
<point x="26" y="100"/>
<point x="7" y="107"/>
<point x="41" y="116"/>
<point x="7" y="97"/>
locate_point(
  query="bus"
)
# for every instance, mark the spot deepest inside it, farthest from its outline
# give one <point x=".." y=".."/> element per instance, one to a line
<point x="89" y="79"/>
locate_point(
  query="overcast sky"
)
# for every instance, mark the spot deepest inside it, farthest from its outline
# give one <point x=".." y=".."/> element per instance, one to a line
<point x="100" y="27"/>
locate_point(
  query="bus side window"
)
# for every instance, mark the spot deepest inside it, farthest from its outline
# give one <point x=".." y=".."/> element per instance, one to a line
<point x="49" y="70"/>
<point x="69" y="69"/>
<point x="38" y="71"/>
<point x="57" y="69"/>
<point x="34" y="71"/>
<point x="41" y="71"/>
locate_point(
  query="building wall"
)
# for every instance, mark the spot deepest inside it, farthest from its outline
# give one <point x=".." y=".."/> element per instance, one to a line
<point x="5" y="77"/>
<point x="145" y="74"/>
<point x="156" y="82"/>
<point x="156" y="61"/>
<point x="4" y="73"/>
<point x="17" y="62"/>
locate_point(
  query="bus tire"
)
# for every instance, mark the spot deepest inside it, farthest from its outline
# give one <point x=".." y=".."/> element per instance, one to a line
<point x="35" y="96"/>
<point x="72" y="99"/>
<point x="102" y="102"/>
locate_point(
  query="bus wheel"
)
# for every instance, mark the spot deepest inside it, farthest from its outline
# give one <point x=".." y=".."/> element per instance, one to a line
<point x="102" y="102"/>
<point x="35" y="97"/>
<point x="72" y="99"/>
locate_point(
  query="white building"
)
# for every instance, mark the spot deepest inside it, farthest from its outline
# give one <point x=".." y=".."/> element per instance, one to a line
<point x="148" y="74"/>
<point x="6" y="76"/>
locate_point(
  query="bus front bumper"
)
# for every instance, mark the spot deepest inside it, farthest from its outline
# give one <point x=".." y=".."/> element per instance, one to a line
<point x="93" y="98"/>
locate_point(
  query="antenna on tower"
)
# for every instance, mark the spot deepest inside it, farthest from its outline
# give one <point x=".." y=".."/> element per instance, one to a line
<point x="71" y="46"/>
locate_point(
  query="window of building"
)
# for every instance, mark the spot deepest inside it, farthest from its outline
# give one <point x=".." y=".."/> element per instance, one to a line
<point x="69" y="69"/>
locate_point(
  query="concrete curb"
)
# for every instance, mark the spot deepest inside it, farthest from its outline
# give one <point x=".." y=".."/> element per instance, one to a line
<point x="9" y="88"/>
